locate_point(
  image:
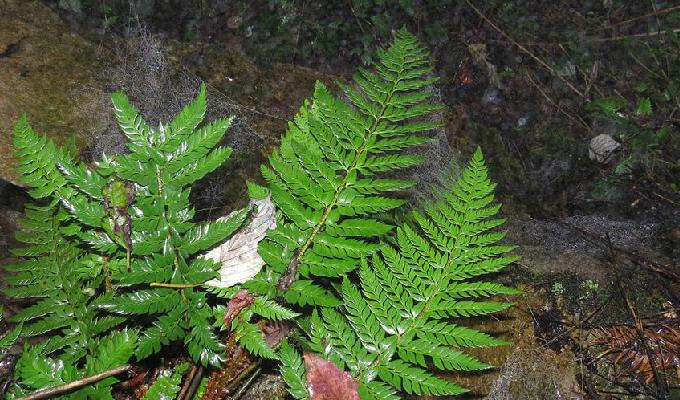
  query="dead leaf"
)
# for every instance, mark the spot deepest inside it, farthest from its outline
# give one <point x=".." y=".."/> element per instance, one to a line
<point x="241" y="300"/>
<point x="238" y="257"/>
<point x="325" y="381"/>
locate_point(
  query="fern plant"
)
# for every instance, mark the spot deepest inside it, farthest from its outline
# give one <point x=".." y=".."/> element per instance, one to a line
<point x="35" y="370"/>
<point x="324" y="180"/>
<point x="146" y="195"/>
<point x="167" y="385"/>
<point x="133" y="215"/>
<point x="63" y="279"/>
<point x="397" y="324"/>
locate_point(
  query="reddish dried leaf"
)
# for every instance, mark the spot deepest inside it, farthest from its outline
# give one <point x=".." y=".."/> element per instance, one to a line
<point x="274" y="332"/>
<point x="325" y="381"/>
<point x="241" y="300"/>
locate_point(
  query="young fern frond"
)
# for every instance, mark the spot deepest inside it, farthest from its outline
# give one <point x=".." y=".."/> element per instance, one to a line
<point x="324" y="176"/>
<point x="397" y="323"/>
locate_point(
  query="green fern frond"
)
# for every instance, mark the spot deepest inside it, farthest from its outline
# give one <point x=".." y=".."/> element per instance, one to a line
<point x="132" y="213"/>
<point x="252" y="339"/>
<point x="162" y="164"/>
<point x="35" y="370"/>
<point x="323" y="176"/>
<point x="391" y="330"/>
<point x="271" y="310"/>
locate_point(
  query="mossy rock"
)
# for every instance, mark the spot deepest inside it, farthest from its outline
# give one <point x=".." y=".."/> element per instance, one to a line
<point x="46" y="72"/>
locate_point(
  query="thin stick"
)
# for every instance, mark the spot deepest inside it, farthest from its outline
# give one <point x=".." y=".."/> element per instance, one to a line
<point x="637" y="35"/>
<point x="245" y="385"/>
<point x="660" y="389"/>
<point x="194" y="375"/>
<point x="652" y="14"/>
<point x="174" y="285"/>
<point x="574" y="118"/>
<point x="53" y="391"/>
<point x="187" y="382"/>
<point x="524" y="49"/>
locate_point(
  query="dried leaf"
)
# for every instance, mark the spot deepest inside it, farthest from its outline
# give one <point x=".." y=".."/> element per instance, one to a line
<point x="241" y="300"/>
<point x="628" y="349"/>
<point x="325" y="381"/>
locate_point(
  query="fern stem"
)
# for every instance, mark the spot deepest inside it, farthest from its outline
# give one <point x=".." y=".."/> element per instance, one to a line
<point x="174" y="285"/>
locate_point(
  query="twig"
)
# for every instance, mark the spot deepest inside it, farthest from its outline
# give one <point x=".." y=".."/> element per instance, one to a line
<point x="174" y="285"/>
<point x="642" y="338"/>
<point x="652" y="14"/>
<point x="525" y="50"/>
<point x="242" y="375"/>
<point x="576" y="119"/>
<point x="191" y="383"/>
<point x="245" y="385"/>
<point x="637" y="35"/>
<point x="53" y="391"/>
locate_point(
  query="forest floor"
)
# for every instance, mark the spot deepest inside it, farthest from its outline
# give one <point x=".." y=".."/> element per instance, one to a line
<point x="532" y="83"/>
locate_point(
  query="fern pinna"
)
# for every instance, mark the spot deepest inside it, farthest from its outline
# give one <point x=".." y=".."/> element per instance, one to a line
<point x="323" y="177"/>
<point x="392" y="329"/>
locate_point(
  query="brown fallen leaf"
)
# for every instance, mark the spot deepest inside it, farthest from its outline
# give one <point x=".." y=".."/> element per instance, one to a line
<point x="325" y="381"/>
<point x="241" y="300"/>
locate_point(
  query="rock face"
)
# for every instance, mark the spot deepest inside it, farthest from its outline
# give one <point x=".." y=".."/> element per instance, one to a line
<point x="46" y="72"/>
<point x="62" y="81"/>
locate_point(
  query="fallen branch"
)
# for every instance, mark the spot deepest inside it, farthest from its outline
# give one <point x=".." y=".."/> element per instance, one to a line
<point x="55" y="390"/>
<point x="191" y="383"/>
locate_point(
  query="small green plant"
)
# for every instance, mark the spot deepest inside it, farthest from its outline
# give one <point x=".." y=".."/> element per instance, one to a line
<point x="557" y="288"/>
<point x="646" y="117"/>
<point x="116" y="245"/>
<point x="167" y="385"/>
